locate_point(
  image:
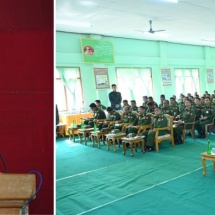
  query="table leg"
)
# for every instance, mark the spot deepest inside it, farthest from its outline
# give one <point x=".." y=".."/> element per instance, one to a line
<point x="108" y="144"/>
<point x="114" y="144"/>
<point x="85" y="139"/>
<point x="98" y="140"/>
<point x="124" y="148"/>
<point x="204" y="166"/>
<point x="143" y="145"/>
<point x="80" y="137"/>
<point x="73" y="135"/>
<point x="132" y="151"/>
<point x="69" y="134"/>
<point x="92" y="136"/>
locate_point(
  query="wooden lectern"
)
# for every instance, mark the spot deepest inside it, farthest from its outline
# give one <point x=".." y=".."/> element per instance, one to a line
<point x="15" y="191"/>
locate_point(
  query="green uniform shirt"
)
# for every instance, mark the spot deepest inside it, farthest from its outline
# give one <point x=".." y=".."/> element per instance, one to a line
<point x="209" y="112"/>
<point x="134" y="108"/>
<point x="181" y="107"/>
<point x="198" y="111"/>
<point x="175" y="109"/>
<point x="114" y="116"/>
<point x="99" y="114"/>
<point x="102" y="107"/>
<point x="188" y="115"/>
<point x="129" y="117"/>
<point x="167" y="110"/>
<point x="143" y="119"/>
<point x="150" y="110"/>
<point x="159" y="121"/>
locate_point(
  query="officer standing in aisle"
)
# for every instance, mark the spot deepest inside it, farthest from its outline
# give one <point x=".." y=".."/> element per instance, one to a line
<point x="115" y="98"/>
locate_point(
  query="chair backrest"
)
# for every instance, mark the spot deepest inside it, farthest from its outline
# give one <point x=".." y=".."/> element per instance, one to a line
<point x="169" y="122"/>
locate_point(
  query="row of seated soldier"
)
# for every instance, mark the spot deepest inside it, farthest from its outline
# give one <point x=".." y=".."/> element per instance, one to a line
<point x="200" y="110"/>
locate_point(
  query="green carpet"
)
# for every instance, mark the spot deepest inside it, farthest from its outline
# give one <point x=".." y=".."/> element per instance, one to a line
<point x="96" y="181"/>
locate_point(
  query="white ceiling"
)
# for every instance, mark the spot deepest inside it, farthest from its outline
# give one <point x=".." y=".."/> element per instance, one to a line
<point x="188" y="21"/>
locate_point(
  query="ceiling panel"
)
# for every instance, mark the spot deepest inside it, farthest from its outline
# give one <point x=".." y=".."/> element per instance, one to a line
<point x="188" y="22"/>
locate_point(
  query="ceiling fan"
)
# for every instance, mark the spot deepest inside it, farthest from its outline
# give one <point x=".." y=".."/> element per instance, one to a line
<point x="151" y="31"/>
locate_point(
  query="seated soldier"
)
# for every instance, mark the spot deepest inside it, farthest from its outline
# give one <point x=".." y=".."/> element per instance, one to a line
<point x="142" y="119"/>
<point x="112" y="116"/>
<point x="145" y="101"/>
<point x="188" y="115"/>
<point x="162" y="98"/>
<point x="127" y="117"/>
<point x="174" y="106"/>
<point x="99" y="105"/>
<point x="125" y="103"/>
<point x="198" y="108"/>
<point x="159" y="121"/>
<point x="98" y="114"/>
<point x="134" y="107"/>
<point x="166" y="109"/>
<point x="207" y="116"/>
<point x="150" y="108"/>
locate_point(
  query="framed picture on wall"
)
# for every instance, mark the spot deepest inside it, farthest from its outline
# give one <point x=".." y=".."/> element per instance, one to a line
<point x="210" y="76"/>
<point x="101" y="78"/>
<point x="166" y="77"/>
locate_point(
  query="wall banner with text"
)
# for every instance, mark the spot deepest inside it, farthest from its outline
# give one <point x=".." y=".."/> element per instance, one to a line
<point x="97" y="51"/>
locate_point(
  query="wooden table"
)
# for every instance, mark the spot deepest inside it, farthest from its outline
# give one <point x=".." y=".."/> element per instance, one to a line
<point x="114" y="137"/>
<point x="205" y="156"/>
<point x="61" y="129"/>
<point x="69" y="118"/>
<point x="84" y="132"/>
<point x="96" y="135"/>
<point x="132" y="141"/>
<point x="71" y="132"/>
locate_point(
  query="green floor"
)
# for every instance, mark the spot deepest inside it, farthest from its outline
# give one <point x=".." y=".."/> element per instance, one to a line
<point x="96" y="181"/>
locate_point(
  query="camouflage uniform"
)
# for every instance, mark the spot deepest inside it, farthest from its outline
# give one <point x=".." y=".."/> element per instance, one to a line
<point x="159" y="121"/>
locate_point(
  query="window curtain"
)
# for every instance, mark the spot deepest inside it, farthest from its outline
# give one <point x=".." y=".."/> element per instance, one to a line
<point x="181" y="79"/>
<point x="194" y="77"/>
<point x="69" y="78"/>
<point x="127" y="80"/>
<point x="145" y="77"/>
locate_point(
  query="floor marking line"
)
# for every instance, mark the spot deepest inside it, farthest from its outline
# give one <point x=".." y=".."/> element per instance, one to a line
<point x="83" y="173"/>
<point x="132" y="194"/>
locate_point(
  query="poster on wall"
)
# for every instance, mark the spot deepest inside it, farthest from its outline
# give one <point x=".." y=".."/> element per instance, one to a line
<point x="97" y="51"/>
<point x="210" y="76"/>
<point x="101" y="78"/>
<point x="166" y="77"/>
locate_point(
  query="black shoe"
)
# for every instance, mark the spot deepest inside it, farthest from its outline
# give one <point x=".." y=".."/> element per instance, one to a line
<point x="149" y="148"/>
